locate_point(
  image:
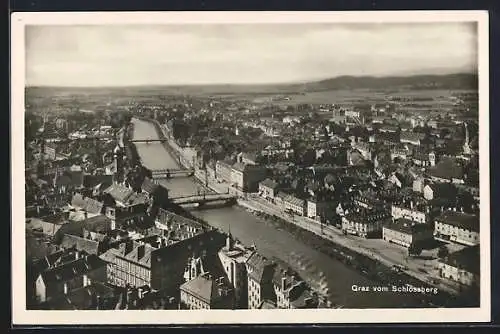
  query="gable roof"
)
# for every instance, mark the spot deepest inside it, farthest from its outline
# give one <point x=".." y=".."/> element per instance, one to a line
<point x="119" y="192"/>
<point x="205" y="287"/>
<point x="81" y="244"/>
<point x="70" y="270"/>
<point x="87" y="204"/>
<point x="260" y="268"/>
<point x="148" y="186"/>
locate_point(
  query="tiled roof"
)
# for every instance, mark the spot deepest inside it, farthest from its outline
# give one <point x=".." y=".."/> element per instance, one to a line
<point x="72" y="269"/>
<point x="260" y="268"/>
<point x="43" y="226"/>
<point x="467" y="258"/>
<point x="87" y="204"/>
<point x="269" y="183"/>
<point x="119" y="192"/>
<point x="461" y="220"/>
<point x="205" y="287"/>
<point x="148" y="186"/>
<point x="99" y="223"/>
<point x="72" y="241"/>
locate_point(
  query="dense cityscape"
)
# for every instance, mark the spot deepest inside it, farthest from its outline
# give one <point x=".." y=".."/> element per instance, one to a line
<point x="246" y="198"/>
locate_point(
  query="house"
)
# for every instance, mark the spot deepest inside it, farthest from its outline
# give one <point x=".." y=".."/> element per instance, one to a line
<point x="74" y="242"/>
<point x="206" y="292"/>
<point x="418" y="184"/>
<point x="405" y="232"/>
<point x="295" y="205"/>
<point x="447" y="170"/>
<point x="233" y="257"/>
<point x="154" y="190"/>
<point x="223" y="170"/>
<point x="268" y="189"/>
<point x="364" y="222"/>
<point x="424" y="158"/>
<point x="413" y="138"/>
<point x="316" y="207"/>
<point x="462" y="266"/>
<point x="67" y="274"/>
<point x="410" y="210"/>
<point x="439" y="190"/>
<point x="260" y="280"/>
<point x="458" y="227"/>
<point x="249" y="158"/>
<point x="292" y="292"/>
<point x="87" y="204"/>
<point x="399" y="153"/>
<point x="159" y="265"/>
<point x="247" y="177"/>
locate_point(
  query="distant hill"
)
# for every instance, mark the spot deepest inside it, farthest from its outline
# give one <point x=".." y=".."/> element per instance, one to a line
<point x="459" y="81"/>
<point x="448" y="81"/>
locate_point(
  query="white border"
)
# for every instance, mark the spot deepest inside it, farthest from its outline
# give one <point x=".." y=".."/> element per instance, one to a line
<point x="22" y="316"/>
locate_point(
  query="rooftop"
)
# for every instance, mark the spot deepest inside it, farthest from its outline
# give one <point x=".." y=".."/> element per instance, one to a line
<point x="461" y="220"/>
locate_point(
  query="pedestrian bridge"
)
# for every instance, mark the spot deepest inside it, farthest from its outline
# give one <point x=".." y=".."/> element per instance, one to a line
<point x="204" y="199"/>
<point x="170" y="173"/>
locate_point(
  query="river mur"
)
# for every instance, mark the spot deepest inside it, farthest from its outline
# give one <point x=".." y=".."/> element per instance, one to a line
<point x="343" y="282"/>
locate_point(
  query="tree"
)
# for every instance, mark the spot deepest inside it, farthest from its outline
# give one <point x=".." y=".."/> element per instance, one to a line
<point x="443" y="252"/>
<point x="414" y="250"/>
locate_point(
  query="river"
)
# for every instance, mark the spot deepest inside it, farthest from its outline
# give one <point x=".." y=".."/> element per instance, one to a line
<point x="308" y="262"/>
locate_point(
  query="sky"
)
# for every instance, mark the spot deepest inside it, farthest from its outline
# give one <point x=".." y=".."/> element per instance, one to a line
<point x="133" y="55"/>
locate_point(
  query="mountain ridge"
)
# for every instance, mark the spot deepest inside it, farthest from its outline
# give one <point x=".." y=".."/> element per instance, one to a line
<point x="418" y="81"/>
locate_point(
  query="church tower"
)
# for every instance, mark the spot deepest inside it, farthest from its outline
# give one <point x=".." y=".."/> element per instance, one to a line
<point x="466" y="147"/>
<point x="118" y="165"/>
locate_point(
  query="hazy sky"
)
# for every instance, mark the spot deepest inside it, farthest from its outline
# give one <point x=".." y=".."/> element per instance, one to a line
<point x="197" y="54"/>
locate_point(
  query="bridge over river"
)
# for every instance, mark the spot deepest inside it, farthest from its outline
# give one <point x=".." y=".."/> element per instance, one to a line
<point x="310" y="263"/>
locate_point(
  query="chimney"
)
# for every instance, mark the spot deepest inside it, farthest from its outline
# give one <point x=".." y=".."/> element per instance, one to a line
<point x="411" y="205"/>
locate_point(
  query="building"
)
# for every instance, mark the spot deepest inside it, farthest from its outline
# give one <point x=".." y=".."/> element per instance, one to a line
<point x="247" y="177"/>
<point x="233" y="258"/>
<point x="417" y="212"/>
<point x="291" y="292"/>
<point x="364" y="222"/>
<point x="439" y="190"/>
<point x="260" y="280"/>
<point x="424" y="158"/>
<point x="268" y="189"/>
<point x="206" y="292"/>
<point x="316" y="208"/>
<point x="413" y="138"/>
<point x="405" y="232"/>
<point x="295" y="205"/>
<point x="462" y="266"/>
<point x="223" y="170"/>
<point x="447" y="170"/>
<point x="160" y="266"/>
<point x="71" y="271"/>
<point x="458" y="227"/>
<point x="418" y="184"/>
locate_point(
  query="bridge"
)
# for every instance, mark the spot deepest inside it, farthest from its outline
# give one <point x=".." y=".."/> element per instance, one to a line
<point x="204" y="198"/>
<point x="147" y="141"/>
<point x="170" y="173"/>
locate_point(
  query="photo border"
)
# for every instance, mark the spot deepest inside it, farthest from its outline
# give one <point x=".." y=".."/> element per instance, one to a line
<point x="21" y="316"/>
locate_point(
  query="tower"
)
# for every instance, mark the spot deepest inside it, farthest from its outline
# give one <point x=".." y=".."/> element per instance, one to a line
<point x="432" y="158"/>
<point x="466" y="147"/>
<point x="118" y="164"/>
